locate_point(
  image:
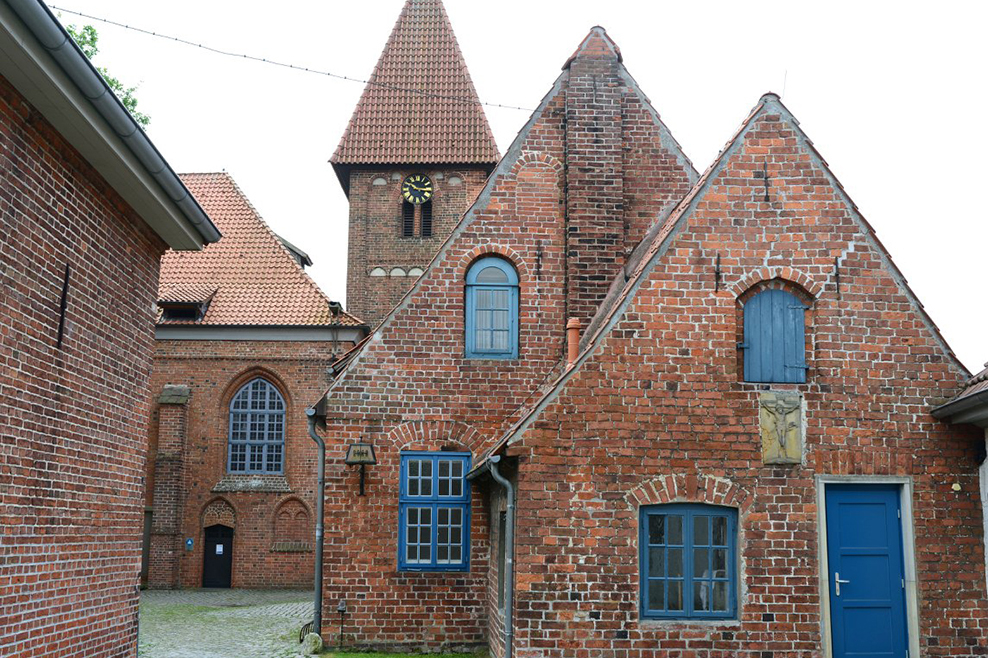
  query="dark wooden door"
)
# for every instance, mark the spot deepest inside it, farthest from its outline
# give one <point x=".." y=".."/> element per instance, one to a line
<point x="217" y="561"/>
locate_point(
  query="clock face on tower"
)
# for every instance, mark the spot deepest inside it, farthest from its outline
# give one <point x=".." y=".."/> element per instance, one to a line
<point x="417" y="188"/>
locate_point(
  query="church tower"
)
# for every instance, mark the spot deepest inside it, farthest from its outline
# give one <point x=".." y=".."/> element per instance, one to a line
<point x="415" y="154"/>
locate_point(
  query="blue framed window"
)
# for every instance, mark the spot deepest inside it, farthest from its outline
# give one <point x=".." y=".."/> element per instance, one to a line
<point x="688" y="562"/>
<point x="492" y="310"/>
<point x="434" y="512"/>
<point x="774" y="338"/>
<point x="257" y="429"/>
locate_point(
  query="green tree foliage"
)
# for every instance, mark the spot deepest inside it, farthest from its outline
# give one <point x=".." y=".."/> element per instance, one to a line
<point x="88" y="38"/>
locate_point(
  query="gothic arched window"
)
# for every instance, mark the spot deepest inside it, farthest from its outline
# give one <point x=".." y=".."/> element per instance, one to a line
<point x="257" y="429"/>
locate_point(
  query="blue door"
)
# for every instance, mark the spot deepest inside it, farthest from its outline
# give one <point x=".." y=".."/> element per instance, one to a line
<point x="866" y="579"/>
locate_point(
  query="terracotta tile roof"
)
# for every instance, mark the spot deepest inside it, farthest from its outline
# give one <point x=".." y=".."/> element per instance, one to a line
<point x="976" y="384"/>
<point x="252" y="276"/>
<point x="420" y="105"/>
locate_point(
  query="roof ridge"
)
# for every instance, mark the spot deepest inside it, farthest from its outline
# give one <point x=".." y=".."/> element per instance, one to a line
<point x="290" y="296"/>
<point x="599" y="32"/>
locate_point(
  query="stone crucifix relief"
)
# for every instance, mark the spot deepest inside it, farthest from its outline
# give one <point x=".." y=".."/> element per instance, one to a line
<point x="780" y="417"/>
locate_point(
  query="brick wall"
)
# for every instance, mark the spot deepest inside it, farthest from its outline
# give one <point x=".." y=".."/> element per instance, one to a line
<point x="73" y="418"/>
<point x="622" y="170"/>
<point x="273" y="517"/>
<point x="660" y="413"/>
<point x="984" y="502"/>
<point x="411" y="388"/>
<point x="376" y="240"/>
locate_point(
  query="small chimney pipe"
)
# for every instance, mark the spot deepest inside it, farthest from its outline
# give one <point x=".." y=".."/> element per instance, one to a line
<point x="572" y="341"/>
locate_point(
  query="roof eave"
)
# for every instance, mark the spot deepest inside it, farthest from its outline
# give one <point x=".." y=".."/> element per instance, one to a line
<point x="45" y="65"/>
<point x="971" y="409"/>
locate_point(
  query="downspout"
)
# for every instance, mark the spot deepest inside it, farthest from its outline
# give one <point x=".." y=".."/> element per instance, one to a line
<point x="509" y="553"/>
<point x="320" y="496"/>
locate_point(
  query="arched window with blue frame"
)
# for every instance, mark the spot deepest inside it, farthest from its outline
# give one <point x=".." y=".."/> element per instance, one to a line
<point x="774" y="338"/>
<point x="257" y="429"/>
<point x="492" y="310"/>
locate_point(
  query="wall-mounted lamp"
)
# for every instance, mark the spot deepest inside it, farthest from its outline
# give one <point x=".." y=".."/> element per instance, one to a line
<point x="361" y="454"/>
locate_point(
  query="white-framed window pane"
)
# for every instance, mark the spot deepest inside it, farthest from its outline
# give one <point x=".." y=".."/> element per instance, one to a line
<point x="418" y="535"/>
<point x="449" y="535"/>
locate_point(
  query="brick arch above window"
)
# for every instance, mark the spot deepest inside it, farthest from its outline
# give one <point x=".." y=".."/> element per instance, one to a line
<point x="762" y="275"/>
<point x="491" y="249"/>
<point x="435" y="435"/>
<point x="249" y="374"/>
<point x="774" y="330"/>
<point x="219" y="511"/>
<point x="690" y="488"/>
<point x="537" y="159"/>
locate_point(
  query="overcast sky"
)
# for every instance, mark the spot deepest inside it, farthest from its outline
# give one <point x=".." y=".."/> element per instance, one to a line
<point x="894" y="95"/>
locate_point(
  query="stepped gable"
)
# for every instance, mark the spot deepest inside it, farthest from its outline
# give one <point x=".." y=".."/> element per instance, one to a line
<point x="249" y="277"/>
<point x="648" y="256"/>
<point x="419" y="106"/>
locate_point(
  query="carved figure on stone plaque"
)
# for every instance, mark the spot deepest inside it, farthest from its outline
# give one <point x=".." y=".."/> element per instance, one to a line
<point x="781" y="428"/>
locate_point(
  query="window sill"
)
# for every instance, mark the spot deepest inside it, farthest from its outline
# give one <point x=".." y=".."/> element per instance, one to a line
<point x="435" y="571"/>
<point x="655" y="622"/>
<point x="252" y="482"/>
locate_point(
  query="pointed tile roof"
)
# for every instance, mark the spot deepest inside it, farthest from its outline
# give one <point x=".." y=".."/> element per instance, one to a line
<point x="249" y="277"/>
<point x="419" y="106"/>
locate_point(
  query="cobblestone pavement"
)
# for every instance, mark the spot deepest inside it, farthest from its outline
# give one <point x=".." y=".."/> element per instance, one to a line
<point x="225" y="623"/>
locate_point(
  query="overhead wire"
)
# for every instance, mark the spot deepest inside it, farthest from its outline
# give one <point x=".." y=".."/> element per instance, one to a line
<point x="295" y="67"/>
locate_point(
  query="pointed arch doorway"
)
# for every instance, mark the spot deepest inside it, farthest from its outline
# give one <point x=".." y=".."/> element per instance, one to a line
<point x="217" y="559"/>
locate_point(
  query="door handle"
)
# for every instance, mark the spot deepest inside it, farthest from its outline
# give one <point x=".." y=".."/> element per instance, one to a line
<point x="838" y="582"/>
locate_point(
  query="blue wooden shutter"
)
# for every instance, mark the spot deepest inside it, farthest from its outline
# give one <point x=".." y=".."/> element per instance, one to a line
<point x="774" y="338"/>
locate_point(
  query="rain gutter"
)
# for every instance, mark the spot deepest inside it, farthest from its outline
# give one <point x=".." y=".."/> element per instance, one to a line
<point x="509" y="550"/>
<point x="968" y="409"/>
<point x="159" y="192"/>
<point x="313" y="418"/>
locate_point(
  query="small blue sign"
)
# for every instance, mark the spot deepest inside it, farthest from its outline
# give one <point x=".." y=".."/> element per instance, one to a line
<point x="188" y="544"/>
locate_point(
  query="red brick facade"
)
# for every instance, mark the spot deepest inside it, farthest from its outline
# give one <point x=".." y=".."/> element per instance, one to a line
<point x="379" y="257"/>
<point x="263" y="318"/>
<point x="412" y="389"/>
<point x="656" y="409"/>
<point x="73" y="416"/>
<point x="678" y="423"/>
<point x="271" y="515"/>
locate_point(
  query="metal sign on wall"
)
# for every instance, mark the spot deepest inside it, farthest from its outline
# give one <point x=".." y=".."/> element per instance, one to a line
<point x="360" y="453"/>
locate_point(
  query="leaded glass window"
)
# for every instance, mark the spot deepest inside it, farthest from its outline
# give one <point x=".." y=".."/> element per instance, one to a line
<point x="257" y="429"/>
